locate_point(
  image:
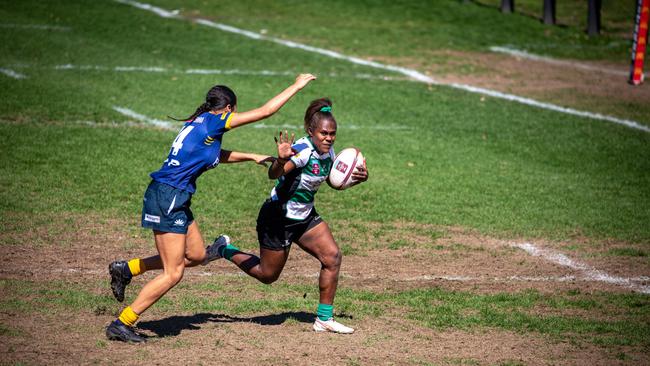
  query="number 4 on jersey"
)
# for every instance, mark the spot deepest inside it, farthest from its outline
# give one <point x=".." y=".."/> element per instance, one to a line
<point x="177" y="145"/>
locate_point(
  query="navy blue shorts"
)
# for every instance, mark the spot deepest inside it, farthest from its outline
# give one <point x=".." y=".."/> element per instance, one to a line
<point x="166" y="208"/>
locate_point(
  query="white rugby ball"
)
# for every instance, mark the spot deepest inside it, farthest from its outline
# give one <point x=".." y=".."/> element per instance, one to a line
<point x="345" y="163"/>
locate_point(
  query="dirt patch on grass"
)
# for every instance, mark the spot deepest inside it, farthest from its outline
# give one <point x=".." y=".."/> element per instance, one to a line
<point x="425" y="257"/>
<point x="397" y="256"/>
<point x="598" y="87"/>
<point x="282" y="340"/>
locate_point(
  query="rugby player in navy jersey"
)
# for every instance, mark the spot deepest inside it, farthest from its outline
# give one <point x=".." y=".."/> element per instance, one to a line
<point x="289" y="216"/>
<point x="166" y="207"/>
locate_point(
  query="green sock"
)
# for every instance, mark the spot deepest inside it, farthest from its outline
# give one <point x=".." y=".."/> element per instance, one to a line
<point x="228" y="251"/>
<point x="325" y="311"/>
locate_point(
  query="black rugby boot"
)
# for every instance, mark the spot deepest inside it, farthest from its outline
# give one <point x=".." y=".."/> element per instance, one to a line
<point x="120" y="277"/>
<point x="117" y="331"/>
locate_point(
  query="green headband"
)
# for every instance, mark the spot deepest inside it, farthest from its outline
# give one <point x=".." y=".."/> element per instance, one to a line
<point x="326" y="109"/>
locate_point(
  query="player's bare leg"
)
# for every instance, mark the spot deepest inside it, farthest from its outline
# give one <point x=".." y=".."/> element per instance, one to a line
<point x="320" y="243"/>
<point x="266" y="268"/>
<point x="194" y="250"/>
<point x="121" y="271"/>
<point x="171" y="247"/>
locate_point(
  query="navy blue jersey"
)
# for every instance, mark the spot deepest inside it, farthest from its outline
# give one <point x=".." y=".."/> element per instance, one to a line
<point x="196" y="149"/>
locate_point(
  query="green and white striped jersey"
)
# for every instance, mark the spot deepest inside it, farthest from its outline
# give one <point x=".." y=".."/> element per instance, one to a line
<point x="297" y="189"/>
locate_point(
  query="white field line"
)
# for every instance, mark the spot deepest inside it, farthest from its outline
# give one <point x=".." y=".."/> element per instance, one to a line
<point x="587" y="271"/>
<point x="238" y="72"/>
<point x="376" y="127"/>
<point x="282" y="126"/>
<point x="35" y="26"/>
<point x="204" y="272"/>
<point x="552" y="107"/>
<point x="105" y="68"/>
<point x="169" y="126"/>
<point x="550" y="60"/>
<point x="494" y="279"/>
<point x="12" y="74"/>
<point x="517" y="278"/>
<point x="201" y="71"/>
<point x="344" y="126"/>
<point x="414" y="74"/>
<point x="113" y="124"/>
<point x="140" y="117"/>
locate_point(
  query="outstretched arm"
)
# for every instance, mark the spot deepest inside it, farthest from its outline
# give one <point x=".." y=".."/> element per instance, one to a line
<point x="228" y="156"/>
<point x="273" y="105"/>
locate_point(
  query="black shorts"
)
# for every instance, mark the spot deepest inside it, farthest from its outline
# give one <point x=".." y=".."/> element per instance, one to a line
<point x="277" y="232"/>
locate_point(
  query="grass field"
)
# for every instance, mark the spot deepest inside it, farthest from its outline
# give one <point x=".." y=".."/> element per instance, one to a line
<point x="456" y="180"/>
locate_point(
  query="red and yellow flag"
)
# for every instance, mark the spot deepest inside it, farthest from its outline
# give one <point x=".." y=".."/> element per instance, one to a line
<point x="640" y="41"/>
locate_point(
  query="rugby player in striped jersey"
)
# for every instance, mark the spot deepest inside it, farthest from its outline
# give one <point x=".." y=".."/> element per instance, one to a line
<point x="289" y="216"/>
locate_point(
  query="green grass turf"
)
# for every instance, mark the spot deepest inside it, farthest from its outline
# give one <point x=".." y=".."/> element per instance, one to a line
<point x="460" y="159"/>
<point x="407" y="29"/>
<point x="444" y="37"/>
<point x="474" y="176"/>
<point x="457" y="160"/>
<point x="612" y="320"/>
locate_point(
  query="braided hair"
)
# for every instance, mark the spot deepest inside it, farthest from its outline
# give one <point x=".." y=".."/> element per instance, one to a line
<point x="218" y="97"/>
<point x="318" y="110"/>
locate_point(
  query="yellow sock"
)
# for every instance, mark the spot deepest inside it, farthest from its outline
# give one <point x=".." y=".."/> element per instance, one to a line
<point x="136" y="266"/>
<point x="128" y="316"/>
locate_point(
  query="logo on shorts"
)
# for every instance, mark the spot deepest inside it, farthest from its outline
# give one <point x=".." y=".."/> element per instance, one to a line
<point x="315" y="168"/>
<point x="152" y="218"/>
<point x="179" y="222"/>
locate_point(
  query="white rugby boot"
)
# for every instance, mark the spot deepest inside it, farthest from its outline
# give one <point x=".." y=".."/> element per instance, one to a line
<point x="330" y="325"/>
<point x="212" y="251"/>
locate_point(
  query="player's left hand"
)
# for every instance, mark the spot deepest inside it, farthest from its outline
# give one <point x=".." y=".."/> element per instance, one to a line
<point x="285" y="151"/>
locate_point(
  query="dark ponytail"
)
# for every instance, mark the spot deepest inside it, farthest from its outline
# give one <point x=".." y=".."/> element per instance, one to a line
<point x="318" y="110"/>
<point x="218" y="97"/>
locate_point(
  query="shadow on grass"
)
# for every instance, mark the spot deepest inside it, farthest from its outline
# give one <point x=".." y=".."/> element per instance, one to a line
<point x="174" y="325"/>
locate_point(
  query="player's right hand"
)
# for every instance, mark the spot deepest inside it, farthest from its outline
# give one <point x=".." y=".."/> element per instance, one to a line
<point x="303" y="79"/>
